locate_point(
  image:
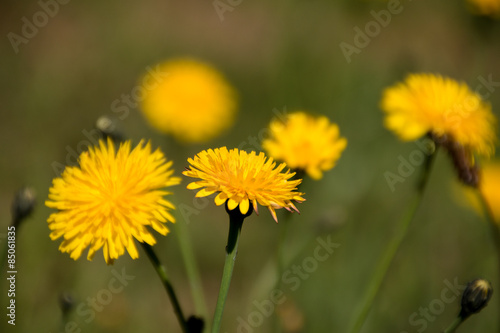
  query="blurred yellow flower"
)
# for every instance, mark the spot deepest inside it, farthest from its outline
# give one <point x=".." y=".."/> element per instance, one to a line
<point x="110" y="199"/>
<point x="427" y="103"/>
<point x="486" y="7"/>
<point x="304" y="142"/>
<point x="489" y="187"/>
<point x="193" y="101"/>
<point x="241" y="178"/>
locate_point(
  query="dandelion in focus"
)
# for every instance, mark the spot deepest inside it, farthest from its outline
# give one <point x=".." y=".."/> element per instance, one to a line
<point x="192" y="102"/>
<point x="242" y="178"/>
<point x="110" y="199"/>
<point x="305" y="142"/>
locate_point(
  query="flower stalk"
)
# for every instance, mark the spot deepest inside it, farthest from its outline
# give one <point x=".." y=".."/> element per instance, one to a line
<point x="162" y="273"/>
<point x="453" y="327"/>
<point x="235" y="225"/>
<point x="392" y="249"/>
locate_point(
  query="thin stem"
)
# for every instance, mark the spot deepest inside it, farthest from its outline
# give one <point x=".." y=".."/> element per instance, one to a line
<point x="390" y="253"/>
<point x="454" y="325"/>
<point x="162" y="273"/>
<point x="235" y="224"/>
<point x="495" y="233"/>
<point x="191" y="268"/>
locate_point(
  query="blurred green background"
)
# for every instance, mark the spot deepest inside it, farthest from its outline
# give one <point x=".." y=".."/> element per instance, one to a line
<point x="281" y="55"/>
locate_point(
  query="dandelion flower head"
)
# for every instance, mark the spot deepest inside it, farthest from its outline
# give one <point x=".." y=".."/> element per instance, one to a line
<point x="190" y="100"/>
<point x="444" y="107"/>
<point x="242" y="178"/>
<point x="305" y="142"/>
<point x="110" y="199"/>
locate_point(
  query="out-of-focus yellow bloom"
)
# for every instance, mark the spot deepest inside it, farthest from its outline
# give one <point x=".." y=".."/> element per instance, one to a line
<point x="427" y="103"/>
<point x="110" y="199"/>
<point x="191" y="100"/>
<point x="489" y="186"/>
<point x="486" y="7"/>
<point x="241" y="179"/>
<point x="304" y="142"/>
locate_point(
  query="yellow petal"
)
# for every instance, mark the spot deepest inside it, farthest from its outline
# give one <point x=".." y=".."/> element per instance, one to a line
<point x="204" y="192"/>
<point x="220" y="198"/>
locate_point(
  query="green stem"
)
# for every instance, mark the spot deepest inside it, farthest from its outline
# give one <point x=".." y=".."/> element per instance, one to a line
<point x="191" y="269"/>
<point x="454" y="325"/>
<point x="162" y="273"/>
<point x="235" y="224"/>
<point x="495" y="233"/>
<point x="390" y="253"/>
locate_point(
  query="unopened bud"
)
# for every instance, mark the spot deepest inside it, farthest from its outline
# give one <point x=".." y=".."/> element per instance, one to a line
<point x="108" y="128"/>
<point x="66" y="302"/>
<point x="475" y="297"/>
<point x="23" y="205"/>
<point x="195" y="324"/>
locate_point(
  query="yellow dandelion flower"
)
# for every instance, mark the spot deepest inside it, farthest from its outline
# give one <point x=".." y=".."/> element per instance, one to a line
<point x="242" y="178"/>
<point x="427" y="103"/>
<point x="489" y="187"/>
<point x="304" y="142"/>
<point x="192" y="101"/>
<point x="486" y="7"/>
<point x="110" y="199"/>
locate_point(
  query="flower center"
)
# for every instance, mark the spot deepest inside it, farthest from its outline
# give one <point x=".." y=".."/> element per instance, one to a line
<point x="112" y="199"/>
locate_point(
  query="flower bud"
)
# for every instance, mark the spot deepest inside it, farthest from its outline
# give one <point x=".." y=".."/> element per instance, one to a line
<point x="66" y="303"/>
<point x="195" y="324"/>
<point x="475" y="297"/>
<point x="23" y="205"/>
<point x="108" y="128"/>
